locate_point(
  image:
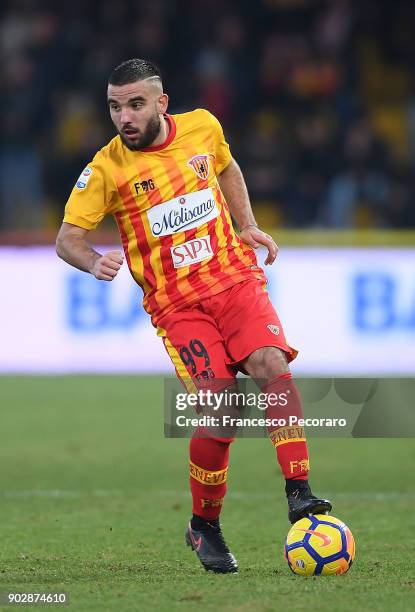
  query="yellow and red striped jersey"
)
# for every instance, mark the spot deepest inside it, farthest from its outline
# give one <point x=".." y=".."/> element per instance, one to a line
<point x="173" y="219"/>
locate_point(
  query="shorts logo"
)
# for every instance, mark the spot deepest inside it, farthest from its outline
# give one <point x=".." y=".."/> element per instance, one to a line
<point x="84" y="177"/>
<point x="200" y="164"/>
<point x="274" y="329"/>
<point x="182" y="213"/>
<point x="191" y="252"/>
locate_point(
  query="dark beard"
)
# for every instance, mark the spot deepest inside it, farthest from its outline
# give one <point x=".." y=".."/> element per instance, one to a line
<point x="150" y="134"/>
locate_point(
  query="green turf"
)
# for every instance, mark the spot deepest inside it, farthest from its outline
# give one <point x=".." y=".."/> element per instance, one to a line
<point x="94" y="502"/>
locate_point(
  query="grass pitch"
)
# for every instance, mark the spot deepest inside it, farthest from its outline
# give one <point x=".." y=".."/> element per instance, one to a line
<point x="94" y="502"/>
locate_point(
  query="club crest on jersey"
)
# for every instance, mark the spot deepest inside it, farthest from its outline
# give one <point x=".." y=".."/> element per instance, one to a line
<point x="274" y="329"/>
<point x="200" y="164"/>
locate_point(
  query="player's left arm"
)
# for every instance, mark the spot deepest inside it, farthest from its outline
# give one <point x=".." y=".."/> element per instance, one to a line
<point x="233" y="187"/>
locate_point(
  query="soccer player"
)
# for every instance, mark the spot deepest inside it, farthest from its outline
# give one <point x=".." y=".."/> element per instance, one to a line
<point x="172" y="185"/>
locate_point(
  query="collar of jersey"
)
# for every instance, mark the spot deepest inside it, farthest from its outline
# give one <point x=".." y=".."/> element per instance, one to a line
<point x="169" y="139"/>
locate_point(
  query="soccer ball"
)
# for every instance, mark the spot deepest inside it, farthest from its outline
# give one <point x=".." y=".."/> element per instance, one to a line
<point x="319" y="545"/>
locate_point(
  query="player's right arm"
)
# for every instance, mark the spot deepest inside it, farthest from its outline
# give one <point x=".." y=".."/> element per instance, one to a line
<point x="72" y="246"/>
<point x="93" y="196"/>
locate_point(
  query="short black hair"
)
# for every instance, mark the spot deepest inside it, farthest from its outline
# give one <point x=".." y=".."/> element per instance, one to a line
<point x="133" y="70"/>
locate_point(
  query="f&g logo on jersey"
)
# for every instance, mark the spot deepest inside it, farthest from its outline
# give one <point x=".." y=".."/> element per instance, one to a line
<point x="144" y="186"/>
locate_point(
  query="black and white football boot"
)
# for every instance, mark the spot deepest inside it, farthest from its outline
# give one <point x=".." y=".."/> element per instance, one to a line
<point x="206" y="539"/>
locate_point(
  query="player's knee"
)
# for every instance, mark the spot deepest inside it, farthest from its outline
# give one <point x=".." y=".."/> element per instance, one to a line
<point x="274" y="362"/>
<point x="266" y="363"/>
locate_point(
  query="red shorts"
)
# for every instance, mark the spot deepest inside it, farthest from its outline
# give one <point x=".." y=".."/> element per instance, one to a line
<point x="211" y="338"/>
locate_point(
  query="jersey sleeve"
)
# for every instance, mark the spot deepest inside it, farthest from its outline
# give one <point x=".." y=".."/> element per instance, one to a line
<point x="92" y="197"/>
<point x="222" y="150"/>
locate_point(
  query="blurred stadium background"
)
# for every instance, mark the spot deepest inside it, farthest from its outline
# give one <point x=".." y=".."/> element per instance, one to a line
<point x="317" y="99"/>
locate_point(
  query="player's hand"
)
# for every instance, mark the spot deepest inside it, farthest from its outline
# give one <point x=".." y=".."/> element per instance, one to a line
<point x="106" y="267"/>
<point x="255" y="237"/>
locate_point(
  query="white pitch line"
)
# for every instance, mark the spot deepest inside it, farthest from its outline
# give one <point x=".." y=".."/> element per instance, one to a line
<point x="59" y="493"/>
<point x="355" y="495"/>
<point x="74" y="494"/>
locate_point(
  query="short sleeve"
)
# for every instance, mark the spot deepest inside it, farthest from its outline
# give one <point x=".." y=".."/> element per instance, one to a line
<point x="91" y="198"/>
<point x="222" y="151"/>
